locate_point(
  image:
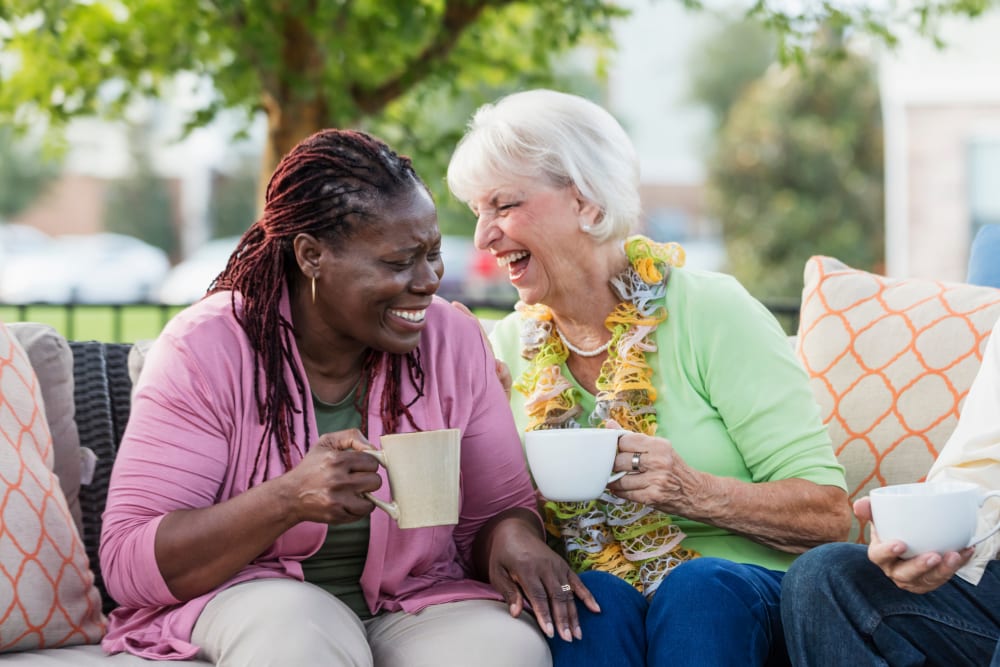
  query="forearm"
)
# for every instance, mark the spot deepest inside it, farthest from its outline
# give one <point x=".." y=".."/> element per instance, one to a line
<point x="500" y="527"/>
<point x="791" y="515"/>
<point x="197" y="550"/>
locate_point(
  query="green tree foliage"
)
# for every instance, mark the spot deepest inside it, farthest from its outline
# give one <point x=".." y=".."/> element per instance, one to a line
<point x="797" y="172"/>
<point x="141" y="205"/>
<point x="306" y="64"/>
<point x="24" y="174"/>
<point x="728" y="60"/>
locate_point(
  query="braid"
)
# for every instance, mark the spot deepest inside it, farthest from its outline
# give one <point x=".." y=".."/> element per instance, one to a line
<point x="328" y="186"/>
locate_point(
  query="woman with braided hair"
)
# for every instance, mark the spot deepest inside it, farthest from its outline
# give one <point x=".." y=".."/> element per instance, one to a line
<point x="731" y="470"/>
<point x="236" y="528"/>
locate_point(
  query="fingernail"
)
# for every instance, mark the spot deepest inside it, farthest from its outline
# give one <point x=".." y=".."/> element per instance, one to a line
<point x="549" y="631"/>
<point x="577" y="632"/>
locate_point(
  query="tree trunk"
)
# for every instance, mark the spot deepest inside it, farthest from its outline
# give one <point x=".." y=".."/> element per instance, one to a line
<point x="288" y="123"/>
<point x="294" y="110"/>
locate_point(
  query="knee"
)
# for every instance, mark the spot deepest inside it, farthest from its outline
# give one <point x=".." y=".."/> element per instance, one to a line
<point x="697" y="577"/>
<point x="614" y="594"/>
<point x="277" y="622"/>
<point x="821" y="569"/>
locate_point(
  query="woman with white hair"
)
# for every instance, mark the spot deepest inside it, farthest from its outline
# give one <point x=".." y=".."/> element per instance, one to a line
<point x="731" y="470"/>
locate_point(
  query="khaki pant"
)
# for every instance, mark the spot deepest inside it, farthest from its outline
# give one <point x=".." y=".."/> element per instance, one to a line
<point x="288" y="623"/>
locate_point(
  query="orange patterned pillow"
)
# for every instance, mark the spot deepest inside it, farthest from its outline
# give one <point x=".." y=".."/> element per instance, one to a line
<point x="47" y="593"/>
<point x="890" y="362"/>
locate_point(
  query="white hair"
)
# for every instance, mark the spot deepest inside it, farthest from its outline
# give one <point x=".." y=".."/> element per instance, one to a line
<point x="560" y="139"/>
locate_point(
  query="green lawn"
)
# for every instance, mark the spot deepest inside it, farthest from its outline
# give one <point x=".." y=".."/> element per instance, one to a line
<point x="105" y="323"/>
<point x="119" y="324"/>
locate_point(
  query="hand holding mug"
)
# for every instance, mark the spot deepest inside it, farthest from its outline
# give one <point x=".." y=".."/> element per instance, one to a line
<point x="329" y="482"/>
<point x="927" y="531"/>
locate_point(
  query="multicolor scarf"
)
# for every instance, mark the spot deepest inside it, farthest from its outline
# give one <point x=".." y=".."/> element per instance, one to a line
<point x="635" y="542"/>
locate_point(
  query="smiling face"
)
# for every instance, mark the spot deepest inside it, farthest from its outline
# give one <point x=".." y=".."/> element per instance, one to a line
<point x="534" y="231"/>
<point x="373" y="290"/>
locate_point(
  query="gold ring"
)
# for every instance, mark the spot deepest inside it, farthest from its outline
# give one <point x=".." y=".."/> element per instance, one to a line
<point x="565" y="588"/>
<point x="635" y="461"/>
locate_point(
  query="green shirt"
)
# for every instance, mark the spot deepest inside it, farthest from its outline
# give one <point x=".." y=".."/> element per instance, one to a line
<point x="731" y="398"/>
<point x="338" y="564"/>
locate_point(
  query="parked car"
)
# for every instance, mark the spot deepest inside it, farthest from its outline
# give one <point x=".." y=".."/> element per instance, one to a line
<point x="472" y="275"/>
<point x="84" y="268"/>
<point x="189" y="280"/>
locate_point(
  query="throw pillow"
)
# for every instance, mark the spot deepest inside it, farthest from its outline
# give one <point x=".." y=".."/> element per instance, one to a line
<point x="52" y="361"/>
<point x="890" y="362"/>
<point x="47" y="593"/>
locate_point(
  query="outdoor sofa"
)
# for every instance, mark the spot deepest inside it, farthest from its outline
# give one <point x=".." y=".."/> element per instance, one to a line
<point x="890" y="362"/>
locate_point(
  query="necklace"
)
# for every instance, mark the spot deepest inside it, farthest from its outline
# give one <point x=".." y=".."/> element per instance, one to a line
<point x="632" y="541"/>
<point x="583" y="353"/>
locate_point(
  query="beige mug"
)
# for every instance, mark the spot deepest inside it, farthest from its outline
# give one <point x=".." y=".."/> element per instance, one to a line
<point x="423" y="469"/>
<point x="572" y="464"/>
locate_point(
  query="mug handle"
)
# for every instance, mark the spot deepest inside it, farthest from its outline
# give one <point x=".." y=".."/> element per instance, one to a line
<point x="391" y="508"/>
<point x="615" y="476"/>
<point x="979" y="538"/>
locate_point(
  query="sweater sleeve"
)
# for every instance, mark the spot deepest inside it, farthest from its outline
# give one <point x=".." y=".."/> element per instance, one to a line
<point x="750" y="375"/>
<point x="173" y="456"/>
<point x="494" y="473"/>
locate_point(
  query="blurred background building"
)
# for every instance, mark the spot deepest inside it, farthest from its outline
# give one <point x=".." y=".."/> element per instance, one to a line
<point x="700" y="94"/>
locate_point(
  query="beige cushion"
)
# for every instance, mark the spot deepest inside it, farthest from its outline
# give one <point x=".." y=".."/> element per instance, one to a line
<point x="52" y="361"/>
<point x="137" y="358"/>
<point x="87" y="656"/>
<point x="890" y="362"/>
<point x="47" y="593"/>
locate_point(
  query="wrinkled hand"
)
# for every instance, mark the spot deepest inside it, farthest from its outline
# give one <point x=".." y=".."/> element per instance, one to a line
<point x="523" y="568"/>
<point x="329" y="480"/>
<point x="663" y="480"/>
<point x="502" y="370"/>
<point x="920" y="574"/>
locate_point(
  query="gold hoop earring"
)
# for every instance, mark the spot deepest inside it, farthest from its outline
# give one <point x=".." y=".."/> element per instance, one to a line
<point x="314" y="289"/>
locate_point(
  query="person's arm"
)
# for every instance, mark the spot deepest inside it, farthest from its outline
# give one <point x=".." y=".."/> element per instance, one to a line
<point x="790" y="515"/>
<point x="500" y="525"/>
<point x="166" y="537"/>
<point x="796" y="497"/>
<point x="200" y="549"/>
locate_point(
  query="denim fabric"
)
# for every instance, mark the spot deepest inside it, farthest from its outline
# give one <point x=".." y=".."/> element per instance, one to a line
<point x="708" y="611"/>
<point x="840" y="609"/>
<point x="984" y="257"/>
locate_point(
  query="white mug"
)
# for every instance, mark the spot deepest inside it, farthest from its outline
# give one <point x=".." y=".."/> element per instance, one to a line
<point x="423" y="472"/>
<point x="572" y="464"/>
<point x="930" y="516"/>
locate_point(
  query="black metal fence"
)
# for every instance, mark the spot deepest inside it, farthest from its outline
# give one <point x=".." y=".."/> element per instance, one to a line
<point x="127" y="323"/>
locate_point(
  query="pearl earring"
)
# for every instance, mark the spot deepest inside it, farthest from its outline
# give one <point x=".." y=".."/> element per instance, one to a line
<point x="586" y="228"/>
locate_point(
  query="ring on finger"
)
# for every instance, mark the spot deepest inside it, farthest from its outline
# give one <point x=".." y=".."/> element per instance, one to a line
<point x="635" y="461"/>
<point x="565" y="588"/>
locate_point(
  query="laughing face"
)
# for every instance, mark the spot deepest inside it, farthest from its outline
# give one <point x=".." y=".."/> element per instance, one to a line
<point x="374" y="290"/>
<point x="533" y="230"/>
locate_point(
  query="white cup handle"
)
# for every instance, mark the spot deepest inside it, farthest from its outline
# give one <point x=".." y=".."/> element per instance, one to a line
<point x="979" y="538"/>
<point x="391" y="508"/>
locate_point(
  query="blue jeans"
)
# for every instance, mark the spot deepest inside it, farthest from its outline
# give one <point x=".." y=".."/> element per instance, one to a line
<point x="840" y="609"/>
<point x="708" y="611"/>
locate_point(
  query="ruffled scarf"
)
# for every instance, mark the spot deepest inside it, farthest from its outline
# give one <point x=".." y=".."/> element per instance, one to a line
<point x="632" y="541"/>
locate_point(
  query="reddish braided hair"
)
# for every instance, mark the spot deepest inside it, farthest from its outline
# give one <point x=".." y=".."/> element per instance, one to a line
<point x="330" y="185"/>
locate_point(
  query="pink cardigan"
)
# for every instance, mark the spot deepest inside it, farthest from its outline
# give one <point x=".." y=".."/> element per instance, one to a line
<point x="191" y="441"/>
